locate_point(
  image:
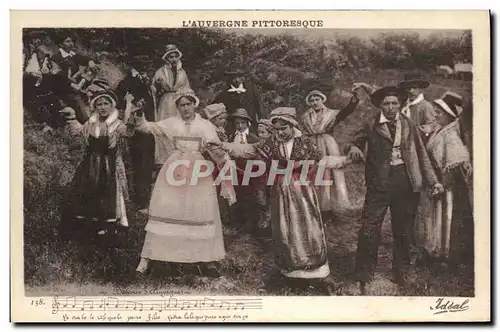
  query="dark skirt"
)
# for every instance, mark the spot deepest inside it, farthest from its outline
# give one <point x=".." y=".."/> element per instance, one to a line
<point x="92" y="199"/>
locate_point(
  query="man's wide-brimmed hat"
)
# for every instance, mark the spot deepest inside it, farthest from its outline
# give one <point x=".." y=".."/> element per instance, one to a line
<point x="287" y="114"/>
<point x="315" y="93"/>
<point x="171" y="48"/>
<point x="214" y="110"/>
<point x="187" y="93"/>
<point x="451" y="103"/>
<point x="413" y="80"/>
<point x="241" y="113"/>
<point x="378" y="96"/>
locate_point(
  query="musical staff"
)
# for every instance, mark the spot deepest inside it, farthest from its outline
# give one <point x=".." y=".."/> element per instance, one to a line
<point x="72" y="303"/>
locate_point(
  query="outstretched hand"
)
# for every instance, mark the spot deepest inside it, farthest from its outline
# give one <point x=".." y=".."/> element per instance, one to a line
<point x="68" y="113"/>
<point x="356" y="86"/>
<point x="210" y="145"/>
<point x="129" y="97"/>
<point x="355" y="155"/>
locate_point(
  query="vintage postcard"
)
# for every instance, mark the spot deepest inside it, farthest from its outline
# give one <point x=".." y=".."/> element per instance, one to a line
<point x="250" y="166"/>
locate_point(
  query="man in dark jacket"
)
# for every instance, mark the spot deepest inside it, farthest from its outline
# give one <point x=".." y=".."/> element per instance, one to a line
<point x="142" y="145"/>
<point x="240" y="93"/>
<point x="397" y="169"/>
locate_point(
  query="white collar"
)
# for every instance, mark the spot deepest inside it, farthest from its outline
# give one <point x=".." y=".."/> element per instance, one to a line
<point x="188" y="122"/>
<point x="245" y="132"/>
<point x="134" y="72"/>
<point x="111" y="118"/>
<point x="417" y="100"/>
<point x="65" y="54"/>
<point x="383" y="119"/>
<point x="239" y="89"/>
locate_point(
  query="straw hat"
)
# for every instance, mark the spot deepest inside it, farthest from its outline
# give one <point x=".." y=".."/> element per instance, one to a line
<point x="451" y="103"/>
<point x="171" y="49"/>
<point x="315" y="93"/>
<point x="287" y="114"/>
<point x="214" y="110"/>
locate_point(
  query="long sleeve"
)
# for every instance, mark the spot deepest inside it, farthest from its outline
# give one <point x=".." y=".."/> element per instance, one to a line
<point x="257" y="104"/>
<point x="238" y="150"/>
<point x="425" y="164"/>
<point x="144" y="126"/>
<point x="75" y="128"/>
<point x="346" y="111"/>
<point x="335" y="162"/>
<point x="359" y="138"/>
<point x="429" y="113"/>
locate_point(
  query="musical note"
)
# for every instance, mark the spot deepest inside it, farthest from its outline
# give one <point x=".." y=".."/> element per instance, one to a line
<point x="225" y="304"/>
<point x="136" y="304"/>
<point x="158" y="306"/>
<point x="73" y="299"/>
<point x="89" y="303"/>
<point x="114" y="299"/>
<point x="185" y="305"/>
<point x="171" y="303"/>
<point x="211" y="302"/>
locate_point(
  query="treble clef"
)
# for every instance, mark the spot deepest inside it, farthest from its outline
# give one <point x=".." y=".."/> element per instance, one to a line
<point x="55" y="305"/>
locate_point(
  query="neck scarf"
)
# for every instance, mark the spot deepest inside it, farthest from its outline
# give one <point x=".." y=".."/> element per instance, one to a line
<point x="240" y="89"/>
<point x="406" y="108"/>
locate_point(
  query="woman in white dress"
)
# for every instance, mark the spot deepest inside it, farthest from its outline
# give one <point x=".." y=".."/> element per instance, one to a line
<point x="184" y="223"/>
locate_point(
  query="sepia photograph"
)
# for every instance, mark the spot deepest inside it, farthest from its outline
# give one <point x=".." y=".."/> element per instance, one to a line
<point x="250" y="158"/>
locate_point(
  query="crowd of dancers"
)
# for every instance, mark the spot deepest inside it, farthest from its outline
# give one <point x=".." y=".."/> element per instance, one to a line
<point x="417" y="164"/>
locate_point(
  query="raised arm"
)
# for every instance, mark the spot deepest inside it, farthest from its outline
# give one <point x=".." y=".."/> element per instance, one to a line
<point x="348" y="110"/>
<point x="355" y="148"/>
<point x="74" y="127"/>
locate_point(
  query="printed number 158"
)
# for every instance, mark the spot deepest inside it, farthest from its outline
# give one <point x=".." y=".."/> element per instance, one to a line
<point x="37" y="303"/>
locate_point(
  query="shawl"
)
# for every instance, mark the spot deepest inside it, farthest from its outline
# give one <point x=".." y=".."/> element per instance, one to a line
<point x="165" y="78"/>
<point x="318" y="123"/>
<point x="221" y="133"/>
<point x="448" y="151"/>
